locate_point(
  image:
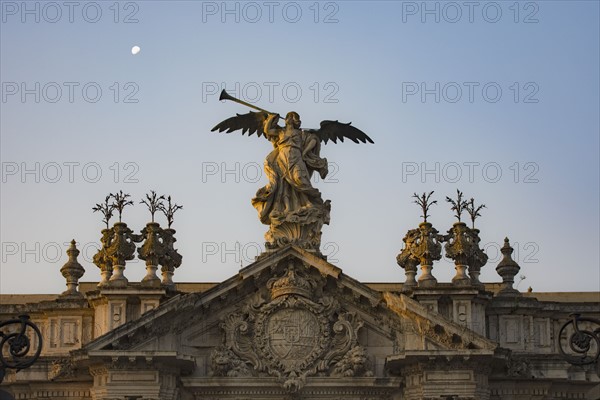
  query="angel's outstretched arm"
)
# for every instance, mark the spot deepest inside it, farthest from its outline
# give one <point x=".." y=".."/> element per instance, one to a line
<point x="270" y="126"/>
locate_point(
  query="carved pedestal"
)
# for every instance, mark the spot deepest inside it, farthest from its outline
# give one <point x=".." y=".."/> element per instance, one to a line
<point x="118" y="278"/>
<point x="301" y="228"/>
<point x="426" y="278"/>
<point x="461" y="277"/>
<point x="105" y="275"/>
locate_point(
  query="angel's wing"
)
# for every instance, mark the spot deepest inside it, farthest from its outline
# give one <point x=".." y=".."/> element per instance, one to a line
<point x="251" y="123"/>
<point x="334" y="130"/>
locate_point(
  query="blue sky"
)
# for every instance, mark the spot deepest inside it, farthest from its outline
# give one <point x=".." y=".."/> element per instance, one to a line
<point x="499" y="100"/>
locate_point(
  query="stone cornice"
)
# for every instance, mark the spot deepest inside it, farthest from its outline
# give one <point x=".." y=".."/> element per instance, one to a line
<point x="315" y="386"/>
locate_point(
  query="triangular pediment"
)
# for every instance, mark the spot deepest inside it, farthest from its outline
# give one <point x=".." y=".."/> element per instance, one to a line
<point x="193" y="304"/>
<point x="296" y="302"/>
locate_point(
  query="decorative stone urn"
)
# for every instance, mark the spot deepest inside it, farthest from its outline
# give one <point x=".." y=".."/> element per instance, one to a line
<point x="427" y="249"/>
<point x="407" y="260"/>
<point x="101" y="258"/>
<point x="152" y="251"/>
<point x="477" y="260"/>
<point x="170" y="259"/>
<point x="459" y="247"/>
<point x="121" y="249"/>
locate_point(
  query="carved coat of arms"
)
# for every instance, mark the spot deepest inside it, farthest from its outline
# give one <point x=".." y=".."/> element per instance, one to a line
<point x="292" y="336"/>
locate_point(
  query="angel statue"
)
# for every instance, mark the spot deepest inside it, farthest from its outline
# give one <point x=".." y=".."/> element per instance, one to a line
<point x="289" y="204"/>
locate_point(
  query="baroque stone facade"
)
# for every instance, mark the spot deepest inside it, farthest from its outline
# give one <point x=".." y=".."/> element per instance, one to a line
<point x="293" y="326"/>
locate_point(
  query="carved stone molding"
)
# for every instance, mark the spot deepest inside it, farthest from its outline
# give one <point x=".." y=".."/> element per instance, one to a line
<point x="324" y="389"/>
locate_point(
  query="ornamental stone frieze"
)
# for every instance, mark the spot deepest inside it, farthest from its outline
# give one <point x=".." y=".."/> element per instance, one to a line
<point x="292" y="336"/>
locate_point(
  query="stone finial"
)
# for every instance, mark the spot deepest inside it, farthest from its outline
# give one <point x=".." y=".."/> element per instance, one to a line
<point x="72" y="271"/>
<point x="507" y="268"/>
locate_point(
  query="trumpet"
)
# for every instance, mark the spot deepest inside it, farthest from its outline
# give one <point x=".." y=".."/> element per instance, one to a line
<point x="226" y="96"/>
